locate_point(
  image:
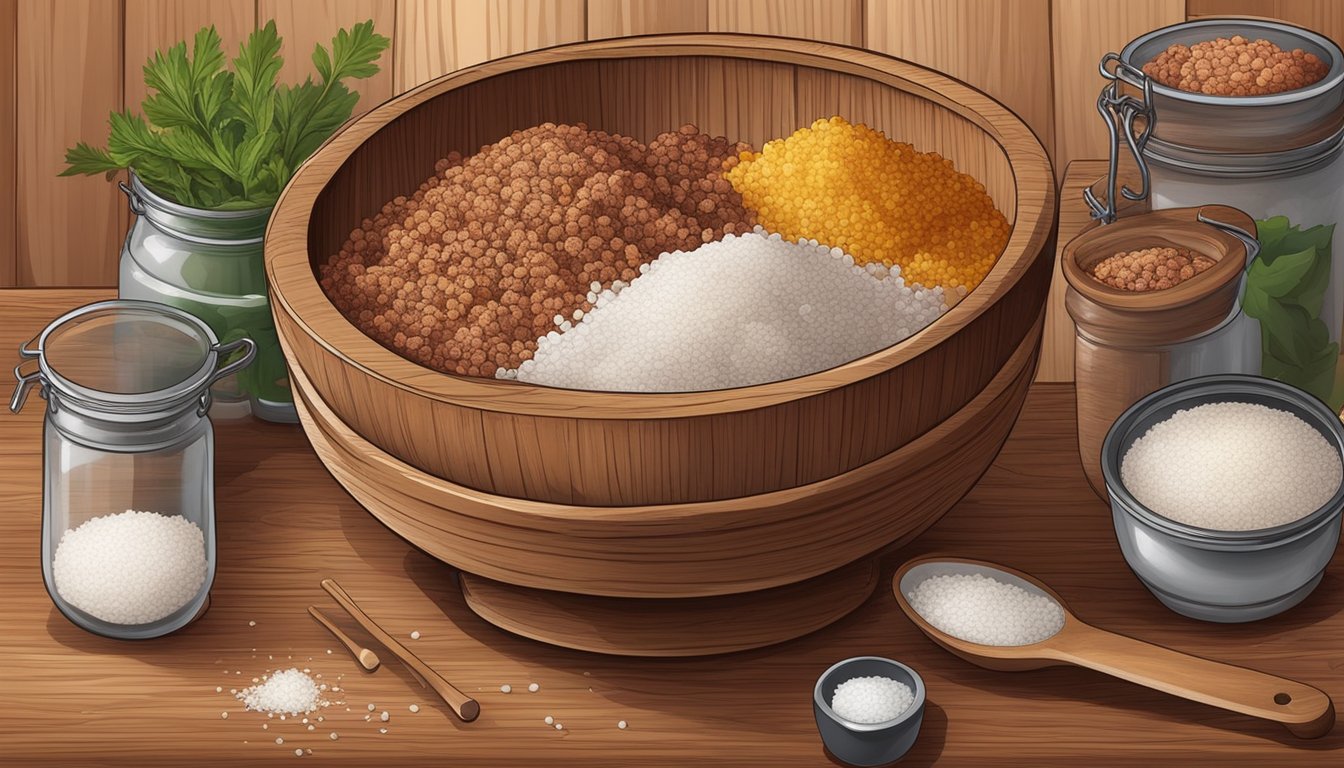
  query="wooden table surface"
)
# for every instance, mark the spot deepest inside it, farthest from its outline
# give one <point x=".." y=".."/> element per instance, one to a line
<point x="284" y="524"/>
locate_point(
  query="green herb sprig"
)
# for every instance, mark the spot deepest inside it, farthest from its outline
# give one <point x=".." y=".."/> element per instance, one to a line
<point x="220" y="139"/>
<point x="1285" y="291"/>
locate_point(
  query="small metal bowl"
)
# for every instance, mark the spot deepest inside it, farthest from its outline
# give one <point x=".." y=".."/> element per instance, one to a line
<point x="1222" y="576"/>
<point x="867" y="743"/>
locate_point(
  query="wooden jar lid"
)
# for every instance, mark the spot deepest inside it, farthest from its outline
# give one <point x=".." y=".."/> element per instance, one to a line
<point x="1145" y="319"/>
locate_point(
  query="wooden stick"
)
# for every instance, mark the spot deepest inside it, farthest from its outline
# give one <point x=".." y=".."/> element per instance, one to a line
<point x="365" y="656"/>
<point x="462" y="705"/>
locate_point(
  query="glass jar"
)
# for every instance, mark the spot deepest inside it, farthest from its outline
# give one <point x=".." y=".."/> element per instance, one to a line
<point x="1277" y="155"/>
<point x="210" y="263"/>
<point x="128" y="516"/>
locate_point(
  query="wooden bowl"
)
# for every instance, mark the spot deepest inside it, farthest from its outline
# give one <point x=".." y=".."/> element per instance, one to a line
<point x="685" y="495"/>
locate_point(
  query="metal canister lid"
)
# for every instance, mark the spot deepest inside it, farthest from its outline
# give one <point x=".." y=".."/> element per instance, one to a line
<point x="126" y="360"/>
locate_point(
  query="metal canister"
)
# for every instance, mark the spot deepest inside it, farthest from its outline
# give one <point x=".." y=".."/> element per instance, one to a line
<point x="127" y="385"/>
<point x="1275" y="155"/>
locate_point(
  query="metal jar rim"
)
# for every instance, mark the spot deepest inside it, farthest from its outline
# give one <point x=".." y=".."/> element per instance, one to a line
<point x="1227" y="386"/>
<point x="143" y="199"/>
<point x="1333" y="79"/>
<point x="167" y="399"/>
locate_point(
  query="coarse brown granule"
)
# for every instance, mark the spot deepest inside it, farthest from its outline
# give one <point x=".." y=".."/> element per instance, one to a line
<point x="466" y="273"/>
<point x="1150" y="269"/>
<point x="1235" y="67"/>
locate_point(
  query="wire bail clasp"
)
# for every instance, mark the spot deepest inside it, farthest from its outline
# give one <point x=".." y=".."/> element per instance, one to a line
<point x="1120" y="112"/>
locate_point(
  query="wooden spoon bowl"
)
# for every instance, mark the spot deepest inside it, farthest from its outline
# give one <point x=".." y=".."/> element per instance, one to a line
<point x="1305" y="711"/>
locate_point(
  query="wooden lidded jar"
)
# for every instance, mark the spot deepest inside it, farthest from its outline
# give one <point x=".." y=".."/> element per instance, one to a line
<point x="1131" y="343"/>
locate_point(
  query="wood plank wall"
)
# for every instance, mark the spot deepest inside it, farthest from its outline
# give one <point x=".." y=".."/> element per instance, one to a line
<point x="64" y="64"/>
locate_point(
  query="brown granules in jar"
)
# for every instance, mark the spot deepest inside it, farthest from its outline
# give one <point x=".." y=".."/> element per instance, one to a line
<point x="1235" y="67"/>
<point x="496" y="250"/>
<point x="1150" y="269"/>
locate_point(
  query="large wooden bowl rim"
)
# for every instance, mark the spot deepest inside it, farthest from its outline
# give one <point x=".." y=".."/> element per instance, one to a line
<point x="292" y="282"/>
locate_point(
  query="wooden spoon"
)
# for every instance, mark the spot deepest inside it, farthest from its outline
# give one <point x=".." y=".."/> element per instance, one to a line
<point x="462" y="705"/>
<point x="1305" y="711"/>
<point x="366" y="657"/>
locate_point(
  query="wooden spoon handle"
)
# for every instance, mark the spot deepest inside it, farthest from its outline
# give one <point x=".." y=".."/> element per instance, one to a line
<point x="1307" y="712"/>
<point x="355" y="649"/>
<point x="463" y="705"/>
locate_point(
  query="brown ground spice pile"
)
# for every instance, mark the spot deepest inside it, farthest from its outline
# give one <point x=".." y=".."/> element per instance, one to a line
<point x="1235" y="67"/>
<point x="1150" y="269"/>
<point x="466" y="273"/>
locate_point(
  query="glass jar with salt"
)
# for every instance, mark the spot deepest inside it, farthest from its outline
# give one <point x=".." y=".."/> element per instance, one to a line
<point x="128" y="545"/>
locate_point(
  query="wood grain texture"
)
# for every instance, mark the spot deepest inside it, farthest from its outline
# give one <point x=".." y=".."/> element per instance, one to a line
<point x="689" y="550"/>
<point x="829" y="21"/>
<point x="622" y="18"/>
<point x="69" y="79"/>
<point x="1085" y="30"/>
<point x="702" y="626"/>
<point x="155" y="25"/>
<point x="9" y="170"/>
<point x="598" y="449"/>
<point x="304" y="24"/>
<point x="1000" y="48"/>
<point x="434" y="37"/>
<point x="284" y="524"/>
<point x="1323" y="16"/>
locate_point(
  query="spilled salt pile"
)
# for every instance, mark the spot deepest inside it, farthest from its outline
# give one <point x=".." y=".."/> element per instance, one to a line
<point x="1232" y="467"/>
<point x="743" y="310"/>
<point x="131" y="567"/>
<point x="871" y="699"/>
<point x="980" y="609"/>
<point x="289" y="692"/>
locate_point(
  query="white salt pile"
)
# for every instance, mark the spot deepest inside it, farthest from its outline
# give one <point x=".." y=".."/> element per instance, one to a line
<point x="289" y="692"/>
<point x="871" y="699"/>
<point x="744" y="310"/>
<point x="131" y="567"/>
<point x="980" y="609"/>
<point x="1232" y="467"/>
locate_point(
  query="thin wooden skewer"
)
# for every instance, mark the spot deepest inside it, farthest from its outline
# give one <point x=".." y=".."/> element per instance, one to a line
<point x="462" y="705"/>
<point x="366" y="657"/>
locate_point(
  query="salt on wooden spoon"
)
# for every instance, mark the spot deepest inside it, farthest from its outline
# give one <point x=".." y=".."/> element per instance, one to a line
<point x="1305" y="711"/>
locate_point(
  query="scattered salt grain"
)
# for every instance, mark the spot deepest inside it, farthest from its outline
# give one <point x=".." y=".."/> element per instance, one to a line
<point x="223" y="715"/>
<point x="873" y="699"/>
<point x="382" y="730"/>
<point x="251" y="623"/>
<point x="131" y="567"/>
<point x="506" y="688"/>
<point x="286" y="692"/>
<point x="1232" y="467"/>
<point x="550" y="720"/>
<point x="372" y="707"/>
<point x="385" y="716"/>
<point x="279" y="740"/>
<point x="981" y="609"/>
<point x="334" y="736"/>
<point x="298" y="753"/>
<point x="621" y="725"/>
<point x="559" y="727"/>
<point x="219" y="689"/>
<point x="415" y="635"/>
<point x="414" y="708"/>
<point x="534" y="687"/>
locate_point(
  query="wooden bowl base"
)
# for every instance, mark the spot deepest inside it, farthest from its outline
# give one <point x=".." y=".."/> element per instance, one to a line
<point x="698" y="626"/>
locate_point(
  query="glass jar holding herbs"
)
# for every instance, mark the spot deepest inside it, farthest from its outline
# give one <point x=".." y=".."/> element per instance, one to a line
<point x="207" y="160"/>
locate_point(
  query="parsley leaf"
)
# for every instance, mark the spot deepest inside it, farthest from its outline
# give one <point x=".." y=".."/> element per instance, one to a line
<point x="214" y="138"/>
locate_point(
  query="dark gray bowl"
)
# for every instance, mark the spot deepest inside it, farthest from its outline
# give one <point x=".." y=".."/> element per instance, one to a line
<point x="867" y="743"/>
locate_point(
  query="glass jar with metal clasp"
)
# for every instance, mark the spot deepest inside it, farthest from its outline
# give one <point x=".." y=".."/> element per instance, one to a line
<point x="128" y="516"/>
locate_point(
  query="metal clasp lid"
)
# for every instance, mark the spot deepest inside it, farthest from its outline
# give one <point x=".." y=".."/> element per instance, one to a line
<point x="26" y="381"/>
<point x="1120" y="111"/>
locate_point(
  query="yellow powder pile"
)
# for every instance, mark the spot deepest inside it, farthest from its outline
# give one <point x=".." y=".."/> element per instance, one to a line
<point x="850" y="187"/>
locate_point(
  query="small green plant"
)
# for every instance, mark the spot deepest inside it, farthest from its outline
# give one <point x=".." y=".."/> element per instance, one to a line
<point x="221" y="139"/>
<point x="1285" y="291"/>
